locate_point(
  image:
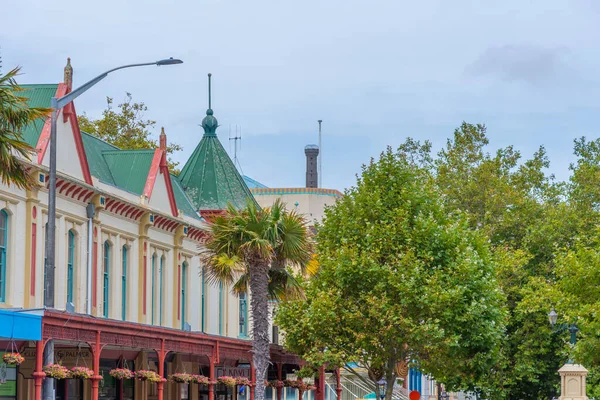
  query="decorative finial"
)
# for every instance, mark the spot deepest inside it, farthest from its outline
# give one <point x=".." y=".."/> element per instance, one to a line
<point x="68" y="78"/>
<point x="210" y="123"/>
<point x="163" y="139"/>
<point x="209" y="96"/>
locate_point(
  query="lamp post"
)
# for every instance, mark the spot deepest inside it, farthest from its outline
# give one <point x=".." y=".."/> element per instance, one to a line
<point x="381" y="387"/>
<point x="57" y="104"/>
<point x="572" y="328"/>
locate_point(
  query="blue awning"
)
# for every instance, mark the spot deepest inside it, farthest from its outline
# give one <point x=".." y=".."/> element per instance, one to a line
<point x="20" y="325"/>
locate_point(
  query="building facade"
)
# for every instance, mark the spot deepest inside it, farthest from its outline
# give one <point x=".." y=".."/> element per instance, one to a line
<point x="128" y="288"/>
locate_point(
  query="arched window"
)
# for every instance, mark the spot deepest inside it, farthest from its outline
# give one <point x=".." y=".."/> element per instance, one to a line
<point x="160" y="290"/>
<point x="153" y="293"/>
<point x="124" y="285"/>
<point x="220" y="308"/>
<point x="183" y="287"/>
<point x="106" y="277"/>
<point x="70" y="265"/>
<point x="3" y="253"/>
<point x="202" y="302"/>
<point x="243" y="315"/>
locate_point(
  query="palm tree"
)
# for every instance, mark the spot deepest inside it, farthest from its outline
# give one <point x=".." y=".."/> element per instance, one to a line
<point x="255" y="249"/>
<point x="15" y="115"/>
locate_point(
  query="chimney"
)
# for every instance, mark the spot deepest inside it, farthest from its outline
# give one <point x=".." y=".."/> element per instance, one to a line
<point x="163" y="139"/>
<point x="68" y="79"/>
<point x="311" y="151"/>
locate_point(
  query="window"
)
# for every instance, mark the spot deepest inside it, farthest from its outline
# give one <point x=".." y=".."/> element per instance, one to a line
<point x="220" y="308"/>
<point x="183" y="286"/>
<point x="160" y="289"/>
<point x="124" y="285"/>
<point x="243" y="315"/>
<point x="202" y="302"/>
<point x="70" y="264"/>
<point x="153" y="293"/>
<point x="3" y="253"/>
<point x="105" y="281"/>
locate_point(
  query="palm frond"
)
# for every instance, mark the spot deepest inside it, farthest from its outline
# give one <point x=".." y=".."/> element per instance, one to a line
<point x="15" y="115"/>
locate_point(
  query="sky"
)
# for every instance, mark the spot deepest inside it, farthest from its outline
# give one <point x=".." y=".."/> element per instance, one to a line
<point x="376" y="72"/>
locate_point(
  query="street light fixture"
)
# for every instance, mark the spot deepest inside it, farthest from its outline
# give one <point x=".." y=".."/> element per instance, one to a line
<point x="382" y="386"/>
<point x="572" y="328"/>
<point x="57" y="104"/>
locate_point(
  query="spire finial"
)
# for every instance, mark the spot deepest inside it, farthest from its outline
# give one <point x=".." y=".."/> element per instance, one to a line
<point x="209" y="96"/>
<point x="68" y="77"/>
<point x="209" y="123"/>
<point x="163" y="139"/>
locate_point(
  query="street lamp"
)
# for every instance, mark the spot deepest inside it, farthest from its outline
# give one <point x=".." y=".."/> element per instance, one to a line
<point x="572" y="328"/>
<point x="57" y="104"/>
<point x="382" y="386"/>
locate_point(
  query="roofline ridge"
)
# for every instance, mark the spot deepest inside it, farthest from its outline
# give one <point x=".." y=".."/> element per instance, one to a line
<point x="100" y="140"/>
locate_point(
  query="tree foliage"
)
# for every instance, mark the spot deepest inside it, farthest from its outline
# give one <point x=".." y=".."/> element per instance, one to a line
<point x="15" y="115"/>
<point x="402" y="277"/>
<point x="126" y="128"/>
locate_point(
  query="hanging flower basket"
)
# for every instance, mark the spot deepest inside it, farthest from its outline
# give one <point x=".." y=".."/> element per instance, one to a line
<point x="199" y="379"/>
<point x="81" y="372"/>
<point x="242" y="381"/>
<point x="57" y="371"/>
<point x="121" y="373"/>
<point x="146" y="375"/>
<point x="291" y="383"/>
<point x="227" y="380"/>
<point x="13" y="358"/>
<point x="180" y="378"/>
<point x="275" y="384"/>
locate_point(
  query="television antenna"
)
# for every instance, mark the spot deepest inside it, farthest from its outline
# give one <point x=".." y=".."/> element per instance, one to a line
<point x="237" y="138"/>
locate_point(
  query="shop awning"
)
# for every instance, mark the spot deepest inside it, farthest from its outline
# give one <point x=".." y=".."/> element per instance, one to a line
<point x="21" y="325"/>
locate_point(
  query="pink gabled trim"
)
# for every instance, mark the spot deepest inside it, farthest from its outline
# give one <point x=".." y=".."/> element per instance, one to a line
<point x="44" y="140"/>
<point x="159" y="166"/>
<point x="154" y="169"/>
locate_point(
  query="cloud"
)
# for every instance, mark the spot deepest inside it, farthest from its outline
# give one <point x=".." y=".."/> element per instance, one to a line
<point x="522" y="63"/>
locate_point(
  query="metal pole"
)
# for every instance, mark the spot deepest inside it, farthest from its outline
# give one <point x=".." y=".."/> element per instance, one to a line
<point x="320" y="155"/>
<point x="51" y="230"/>
<point x="48" y="383"/>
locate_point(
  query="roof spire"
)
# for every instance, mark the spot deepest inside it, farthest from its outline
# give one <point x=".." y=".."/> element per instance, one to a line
<point x="209" y="123"/>
<point x="209" y="76"/>
<point x="68" y="79"/>
<point x="163" y="139"/>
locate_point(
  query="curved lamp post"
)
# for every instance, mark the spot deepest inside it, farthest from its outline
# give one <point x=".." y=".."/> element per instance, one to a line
<point x="57" y="104"/>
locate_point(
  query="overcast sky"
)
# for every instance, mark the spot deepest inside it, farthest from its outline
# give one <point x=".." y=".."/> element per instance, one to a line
<point x="375" y="71"/>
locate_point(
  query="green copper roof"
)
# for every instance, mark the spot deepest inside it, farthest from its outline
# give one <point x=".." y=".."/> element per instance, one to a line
<point x="209" y="177"/>
<point x="93" y="150"/>
<point x="211" y="180"/>
<point x="183" y="202"/>
<point x="129" y="168"/>
<point x="38" y="96"/>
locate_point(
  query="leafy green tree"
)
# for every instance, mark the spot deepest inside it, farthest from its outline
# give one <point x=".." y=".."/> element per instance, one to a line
<point x="15" y="115"/>
<point x="126" y="128"/>
<point x="402" y="277"/>
<point x="523" y="212"/>
<point x="249" y="248"/>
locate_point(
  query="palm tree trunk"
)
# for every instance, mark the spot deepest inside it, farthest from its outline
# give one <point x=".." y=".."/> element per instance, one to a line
<point x="259" y="291"/>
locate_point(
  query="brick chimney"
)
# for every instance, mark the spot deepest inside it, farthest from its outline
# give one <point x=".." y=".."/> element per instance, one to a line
<point x="163" y="139"/>
<point x="68" y="79"/>
<point x="311" y="151"/>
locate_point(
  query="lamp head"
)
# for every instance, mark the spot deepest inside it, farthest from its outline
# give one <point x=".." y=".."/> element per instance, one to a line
<point x="552" y="317"/>
<point x="169" y="61"/>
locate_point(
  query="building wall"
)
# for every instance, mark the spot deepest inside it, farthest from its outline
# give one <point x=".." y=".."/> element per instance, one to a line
<point x="311" y="205"/>
<point x="25" y="264"/>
